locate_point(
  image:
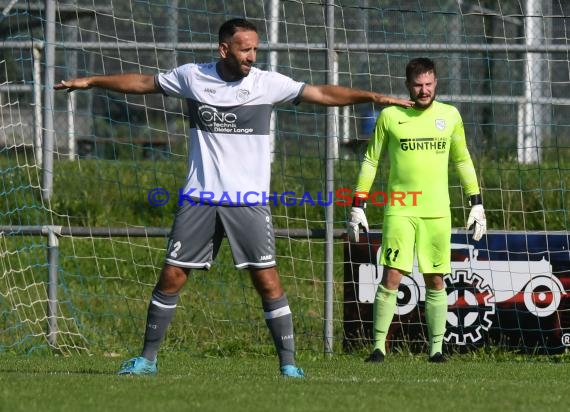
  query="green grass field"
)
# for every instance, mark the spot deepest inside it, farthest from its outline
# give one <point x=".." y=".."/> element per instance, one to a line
<point x="188" y="383"/>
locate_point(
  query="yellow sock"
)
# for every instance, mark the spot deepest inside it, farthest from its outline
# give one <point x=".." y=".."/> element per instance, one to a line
<point x="436" y="318"/>
<point x="384" y="309"/>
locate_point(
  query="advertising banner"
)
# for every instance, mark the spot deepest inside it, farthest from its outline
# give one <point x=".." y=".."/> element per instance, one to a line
<point x="510" y="290"/>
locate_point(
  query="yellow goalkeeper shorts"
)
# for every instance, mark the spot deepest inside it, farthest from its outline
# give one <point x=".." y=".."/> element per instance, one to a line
<point x="427" y="238"/>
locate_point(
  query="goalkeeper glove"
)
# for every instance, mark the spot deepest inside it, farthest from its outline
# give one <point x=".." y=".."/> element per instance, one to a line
<point x="357" y="219"/>
<point x="477" y="218"/>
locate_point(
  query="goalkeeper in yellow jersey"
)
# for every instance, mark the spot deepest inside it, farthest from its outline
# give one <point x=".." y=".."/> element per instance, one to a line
<point x="419" y="141"/>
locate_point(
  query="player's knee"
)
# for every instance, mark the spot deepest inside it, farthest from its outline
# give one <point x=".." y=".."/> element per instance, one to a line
<point x="434" y="281"/>
<point x="267" y="282"/>
<point x="172" y="278"/>
<point x="392" y="278"/>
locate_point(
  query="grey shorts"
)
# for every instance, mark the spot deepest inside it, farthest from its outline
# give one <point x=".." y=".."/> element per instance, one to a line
<point x="198" y="231"/>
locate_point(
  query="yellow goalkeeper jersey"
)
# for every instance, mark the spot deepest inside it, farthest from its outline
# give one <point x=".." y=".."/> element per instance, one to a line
<point x="420" y="144"/>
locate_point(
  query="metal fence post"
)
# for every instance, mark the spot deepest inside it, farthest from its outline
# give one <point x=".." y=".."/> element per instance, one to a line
<point x="52" y="233"/>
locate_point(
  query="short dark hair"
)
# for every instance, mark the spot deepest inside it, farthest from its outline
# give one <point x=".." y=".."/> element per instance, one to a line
<point x="228" y="29"/>
<point x="418" y="66"/>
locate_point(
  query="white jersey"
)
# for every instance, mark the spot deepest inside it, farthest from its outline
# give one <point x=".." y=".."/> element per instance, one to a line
<point x="229" y="129"/>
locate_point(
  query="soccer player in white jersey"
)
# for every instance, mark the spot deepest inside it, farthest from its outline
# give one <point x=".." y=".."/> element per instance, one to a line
<point x="230" y="104"/>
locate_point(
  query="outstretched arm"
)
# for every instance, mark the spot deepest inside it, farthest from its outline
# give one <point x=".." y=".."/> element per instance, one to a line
<point x="123" y="83"/>
<point x="330" y="95"/>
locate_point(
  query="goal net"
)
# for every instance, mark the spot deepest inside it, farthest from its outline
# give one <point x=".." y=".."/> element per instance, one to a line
<point x="90" y="180"/>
